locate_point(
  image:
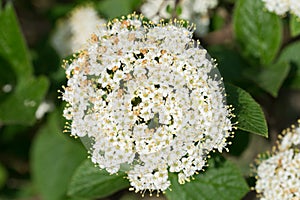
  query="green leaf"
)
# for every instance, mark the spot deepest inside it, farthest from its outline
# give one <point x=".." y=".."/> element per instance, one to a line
<point x="91" y="182"/>
<point x="8" y="78"/>
<point x="230" y="64"/>
<point x="248" y="113"/>
<point x="222" y="181"/>
<point x="295" y="25"/>
<point x="290" y="54"/>
<point x="24" y="99"/>
<point x="117" y="8"/>
<point x="12" y="45"/>
<point x="239" y="142"/>
<point x="18" y="104"/>
<point x="3" y="175"/>
<point x="271" y="78"/>
<point x="258" y="32"/>
<point x="54" y="158"/>
<point x="26" y="191"/>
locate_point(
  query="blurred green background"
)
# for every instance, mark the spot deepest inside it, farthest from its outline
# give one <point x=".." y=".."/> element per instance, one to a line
<point x="37" y="160"/>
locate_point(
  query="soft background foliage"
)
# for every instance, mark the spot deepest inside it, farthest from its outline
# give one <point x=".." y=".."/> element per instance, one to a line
<point x="257" y="54"/>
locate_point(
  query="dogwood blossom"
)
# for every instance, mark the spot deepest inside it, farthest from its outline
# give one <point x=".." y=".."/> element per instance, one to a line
<point x="150" y="100"/>
<point x="278" y="176"/>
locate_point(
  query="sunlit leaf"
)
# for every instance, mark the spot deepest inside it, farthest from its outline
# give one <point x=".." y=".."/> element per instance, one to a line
<point x="222" y="181"/>
<point x="248" y="114"/>
<point x="258" y="32"/>
<point x="91" y="182"/>
<point x="295" y="25"/>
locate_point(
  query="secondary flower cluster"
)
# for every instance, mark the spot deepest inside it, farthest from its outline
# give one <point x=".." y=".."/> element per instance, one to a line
<point x="281" y="7"/>
<point x="150" y="100"/>
<point x="71" y="33"/>
<point x="196" y="11"/>
<point x="278" y="176"/>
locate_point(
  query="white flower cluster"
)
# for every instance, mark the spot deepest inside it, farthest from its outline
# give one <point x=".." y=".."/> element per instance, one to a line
<point x="193" y="10"/>
<point x="72" y="33"/>
<point x="149" y="98"/>
<point x="281" y="7"/>
<point x="278" y="177"/>
<point x="290" y="138"/>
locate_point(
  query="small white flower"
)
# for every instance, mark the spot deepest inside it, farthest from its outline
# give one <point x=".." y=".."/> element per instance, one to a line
<point x="280" y="7"/>
<point x="196" y="11"/>
<point x="295" y="7"/>
<point x="289" y="138"/>
<point x="152" y="103"/>
<point x="278" y="176"/>
<point x="83" y="22"/>
<point x="209" y="4"/>
<point x="72" y="33"/>
<point x="157" y="9"/>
